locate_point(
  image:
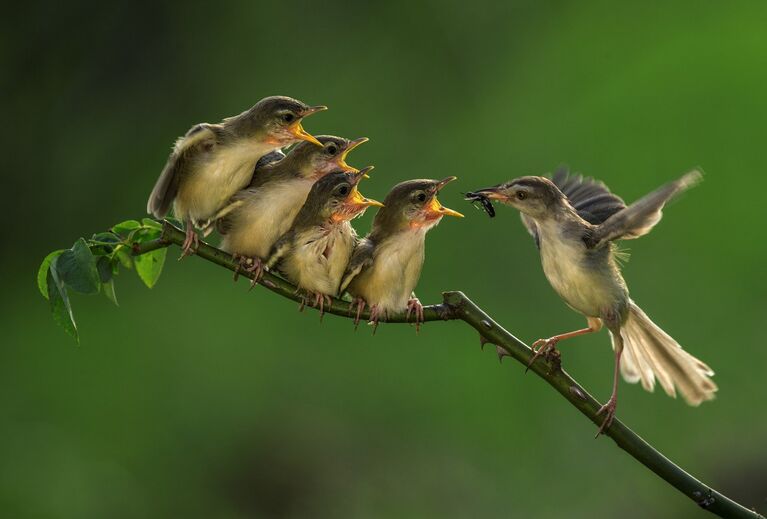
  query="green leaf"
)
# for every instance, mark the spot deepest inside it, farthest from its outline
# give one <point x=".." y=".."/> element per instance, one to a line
<point x="154" y="224"/>
<point x="104" y="267"/>
<point x="76" y="268"/>
<point x="60" y="307"/>
<point x="42" y="273"/>
<point x="146" y="234"/>
<point x="109" y="291"/>
<point x="126" y="227"/>
<point x="123" y="254"/>
<point x="149" y="266"/>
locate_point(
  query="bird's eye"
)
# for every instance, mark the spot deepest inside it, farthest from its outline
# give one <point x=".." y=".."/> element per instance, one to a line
<point x="332" y="149"/>
<point x="343" y="190"/>
<point x="288" y="117"/>
<point x="421" y="197"/>
<point x="521" y="195"/>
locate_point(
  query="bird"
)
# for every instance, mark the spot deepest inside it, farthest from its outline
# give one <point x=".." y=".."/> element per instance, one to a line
<point x="211" y="162"/>
<point x="386" y="265"/>
<point x="262" y="212"/>
<point x="575" y="222"/>
<point x="314" y="252"/>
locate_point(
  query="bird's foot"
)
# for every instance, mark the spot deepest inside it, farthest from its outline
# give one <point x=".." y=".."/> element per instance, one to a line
<point x="319" y="302"/>
<point x="609" y="410"/>
<point x="360" y="303"/>
<point x="415" y="307"/>
<point x="253" y="265"/>
<point x="543" y="348"/>
<point x="191" y="242"/>
<point x="376" y="315"/>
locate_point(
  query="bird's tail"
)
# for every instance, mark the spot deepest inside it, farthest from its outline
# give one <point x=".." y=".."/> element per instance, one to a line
<point x="650" y="353"/>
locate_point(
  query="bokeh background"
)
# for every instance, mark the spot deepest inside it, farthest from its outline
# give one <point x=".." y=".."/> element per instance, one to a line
<point x="201" y="399"/>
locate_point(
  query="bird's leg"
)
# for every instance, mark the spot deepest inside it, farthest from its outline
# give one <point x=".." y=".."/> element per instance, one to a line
<point x="546" y="346"/>
<point x="191" y="240"/>
<point x="415" y="307"/>
<point x="254" y="266"/>
<point x="612" y="403"/>
<point x="376" y="315"/>
<point x="360" y="308"/>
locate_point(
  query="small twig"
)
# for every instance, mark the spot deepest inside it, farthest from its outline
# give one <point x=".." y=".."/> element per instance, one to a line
<point x="456" y="306"/>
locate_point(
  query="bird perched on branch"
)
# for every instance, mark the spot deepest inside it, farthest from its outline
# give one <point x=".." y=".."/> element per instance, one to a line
<point x="575" y="222"/>
<point x="213" y="161"/>
<point x="259" y="214"/>
<point x="386" y="264"/>
<point x="313" y="254"/>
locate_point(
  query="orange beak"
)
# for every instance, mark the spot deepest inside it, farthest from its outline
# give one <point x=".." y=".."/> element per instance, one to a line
<point x="298" y="131"/>
<point x="437" y="209"/>
<point x="342" y="158"/>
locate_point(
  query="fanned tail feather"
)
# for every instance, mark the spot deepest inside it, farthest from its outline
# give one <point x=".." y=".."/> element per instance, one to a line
<point x="650" y="353"/>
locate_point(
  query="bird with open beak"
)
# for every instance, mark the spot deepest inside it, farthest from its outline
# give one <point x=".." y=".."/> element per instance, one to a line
<point x="575" y="222"/>
<point x="259" y="214"/>
<point x="386" y="264"/>
<point x="213" y="161"/>
<point x="313" y="254"/>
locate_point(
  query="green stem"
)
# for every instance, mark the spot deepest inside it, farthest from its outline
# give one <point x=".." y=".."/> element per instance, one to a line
<point x="456" y="306"/>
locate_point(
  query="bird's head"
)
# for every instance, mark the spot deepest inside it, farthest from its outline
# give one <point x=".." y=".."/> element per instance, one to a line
<point x="312" y="161"/>
<point x="277" y="120"/>
<point x="335" y="198"/>
<point x="533" y="196"/>
<point x="413" y="204"/>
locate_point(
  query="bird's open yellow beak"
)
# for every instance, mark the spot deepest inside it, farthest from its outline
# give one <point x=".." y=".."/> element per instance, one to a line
<point x="355" y="198"/>
<point x="437" y="209"/>
<point x="299" y="133"/>
<point x="342" y="158"/>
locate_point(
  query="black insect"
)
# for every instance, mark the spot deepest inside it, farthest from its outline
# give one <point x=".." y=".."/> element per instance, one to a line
<point x="487" y="205"/>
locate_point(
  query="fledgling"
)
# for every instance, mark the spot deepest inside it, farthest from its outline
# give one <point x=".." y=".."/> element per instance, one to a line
<point x="575" y="222"/>
<point x="386" y="264"/>
<point x="213" y="161"/>
<point x="313" y="254"/>
<point x="259" y="214"/>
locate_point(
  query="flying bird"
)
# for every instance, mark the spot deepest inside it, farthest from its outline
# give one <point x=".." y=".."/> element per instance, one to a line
<point x="575" y="222"/>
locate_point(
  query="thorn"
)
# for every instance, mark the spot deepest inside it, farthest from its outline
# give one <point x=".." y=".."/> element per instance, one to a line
<point x="501" y="353"/>
<point x="482" y="342"/>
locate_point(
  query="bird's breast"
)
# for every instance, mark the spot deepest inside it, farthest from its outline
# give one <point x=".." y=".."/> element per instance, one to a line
<point x="217" y="177"/>
<point x="319" y="257"/>
<point x="266" y="214"/>
<point x="583" y="278"/>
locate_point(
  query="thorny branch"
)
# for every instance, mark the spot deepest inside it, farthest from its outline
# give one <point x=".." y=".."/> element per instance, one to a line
<point x="456" y="306"/>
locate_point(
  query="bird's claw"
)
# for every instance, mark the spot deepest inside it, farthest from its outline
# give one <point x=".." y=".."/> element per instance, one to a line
<point x="319" y="302"/>
<point x="609" y="410"/>
<point x="252" y="265"/>
<point x="191" y="243"/>
<point x="376" y="315"/>
<point x="415" y="307"/>
<point x="542" y="347"/>
<point x="360" y="308"/>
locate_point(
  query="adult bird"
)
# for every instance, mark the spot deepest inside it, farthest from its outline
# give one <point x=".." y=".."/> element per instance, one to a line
<point x="213" y="161"/>
<point x="313" y="254"/>
<point x="575" y="222"/>
<point x="386" y="264"/>
<point x="262" y="212"/>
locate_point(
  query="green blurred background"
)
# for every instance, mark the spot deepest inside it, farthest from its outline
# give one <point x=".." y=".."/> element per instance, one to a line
<point x="201" y="399"/>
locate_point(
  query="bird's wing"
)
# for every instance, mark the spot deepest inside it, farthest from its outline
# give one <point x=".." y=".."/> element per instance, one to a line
<point x="362" y="257"/>
<point x="280" y="248"/>
<point x="201" y="137"/>
<point x="640" y="217"/>
<point x="591" y="199"/>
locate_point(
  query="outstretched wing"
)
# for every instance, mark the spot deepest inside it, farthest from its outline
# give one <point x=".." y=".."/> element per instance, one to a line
<point x="362" y="258"/>
<point x="201" y="138"/>
<point x="640" y="217"/>
<point x="590" y="198"/>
